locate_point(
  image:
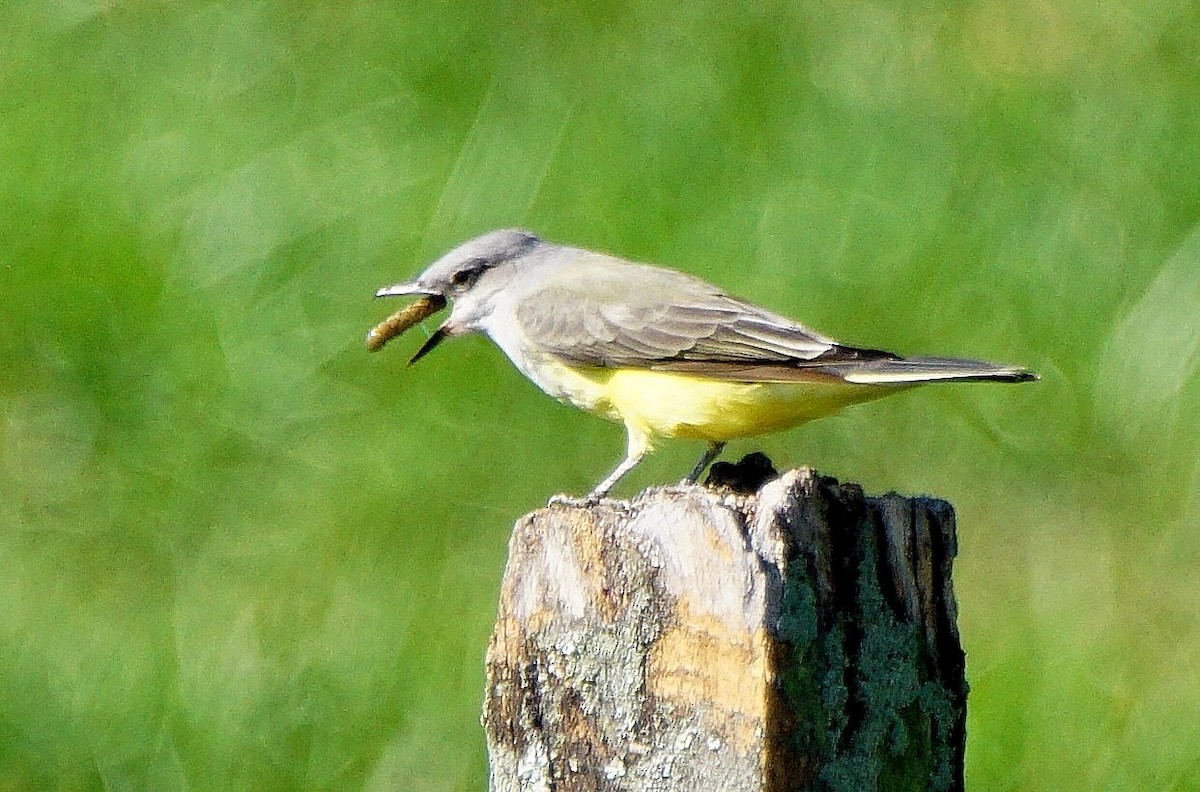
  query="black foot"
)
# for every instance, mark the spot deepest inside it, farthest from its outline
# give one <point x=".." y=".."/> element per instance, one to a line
<point x="746" y="476"/>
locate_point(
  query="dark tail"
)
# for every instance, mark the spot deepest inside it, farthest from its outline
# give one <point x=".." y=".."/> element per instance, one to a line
<point x="884" y="371"/>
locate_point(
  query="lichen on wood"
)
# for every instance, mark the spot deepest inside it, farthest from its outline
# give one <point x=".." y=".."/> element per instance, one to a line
<point x="801" y="637"/>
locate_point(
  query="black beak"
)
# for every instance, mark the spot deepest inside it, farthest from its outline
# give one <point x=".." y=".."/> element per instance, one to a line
<point x="438" y="336"/>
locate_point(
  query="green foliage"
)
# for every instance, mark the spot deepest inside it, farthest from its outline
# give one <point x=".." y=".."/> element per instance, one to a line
<point x="236" y="551"/>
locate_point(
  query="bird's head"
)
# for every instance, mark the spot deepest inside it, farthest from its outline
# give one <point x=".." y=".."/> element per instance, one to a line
<point x="470" y="276"/>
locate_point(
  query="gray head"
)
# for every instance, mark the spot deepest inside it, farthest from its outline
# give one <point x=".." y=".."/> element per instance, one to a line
<point x="470" y="275"/>
<point x="457" y="271"/>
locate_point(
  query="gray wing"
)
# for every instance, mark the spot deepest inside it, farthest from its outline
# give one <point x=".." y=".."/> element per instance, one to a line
<point x="601" y="311"/>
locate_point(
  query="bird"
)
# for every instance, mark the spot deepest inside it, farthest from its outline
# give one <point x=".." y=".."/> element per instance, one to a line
<point x="665" y="353"/>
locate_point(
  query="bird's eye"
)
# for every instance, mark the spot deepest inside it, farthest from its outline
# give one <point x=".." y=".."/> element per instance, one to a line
<point x="467" y="275"/>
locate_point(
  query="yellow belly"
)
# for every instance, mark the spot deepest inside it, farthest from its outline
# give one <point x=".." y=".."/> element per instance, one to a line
<point x="676" y="405"/>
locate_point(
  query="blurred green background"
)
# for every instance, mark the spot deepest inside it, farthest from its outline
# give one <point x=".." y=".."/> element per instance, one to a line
<point x="238" y="552"/>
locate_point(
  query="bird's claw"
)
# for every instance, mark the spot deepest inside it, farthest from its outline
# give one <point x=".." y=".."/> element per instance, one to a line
<point x="588" y="501"/>
<point x="573" y="501"/>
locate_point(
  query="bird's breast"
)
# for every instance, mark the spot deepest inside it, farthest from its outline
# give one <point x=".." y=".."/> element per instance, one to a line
<point x="556" y="378"/>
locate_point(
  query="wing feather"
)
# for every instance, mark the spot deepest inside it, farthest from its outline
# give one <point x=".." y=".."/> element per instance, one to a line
<point x="602" y="311"/>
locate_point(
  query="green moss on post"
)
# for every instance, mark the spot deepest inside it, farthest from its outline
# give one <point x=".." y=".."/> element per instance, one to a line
<point x="874" y="667"/>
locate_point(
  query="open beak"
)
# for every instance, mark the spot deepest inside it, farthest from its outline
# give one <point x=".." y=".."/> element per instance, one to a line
<point x="398" y="289"/>
<point x="406" y="317"/>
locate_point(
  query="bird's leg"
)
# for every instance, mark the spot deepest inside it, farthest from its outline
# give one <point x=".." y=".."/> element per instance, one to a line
<point x="601" y="489"/>
<point x="638" y="446"/>
<point x="620" y="470"/>
<point x="712" y="452"/>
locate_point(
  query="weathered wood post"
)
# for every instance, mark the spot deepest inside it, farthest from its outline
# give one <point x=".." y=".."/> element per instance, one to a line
<point x="799" y="637"/>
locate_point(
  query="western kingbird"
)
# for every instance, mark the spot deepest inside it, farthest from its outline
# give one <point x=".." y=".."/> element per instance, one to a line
<point x="666" y="354"/>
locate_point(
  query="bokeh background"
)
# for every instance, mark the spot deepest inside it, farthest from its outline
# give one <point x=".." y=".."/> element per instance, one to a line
<point x="238" y="552"/>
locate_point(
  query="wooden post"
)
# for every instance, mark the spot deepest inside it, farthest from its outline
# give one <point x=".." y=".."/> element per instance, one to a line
<point x="799" y="637"/>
